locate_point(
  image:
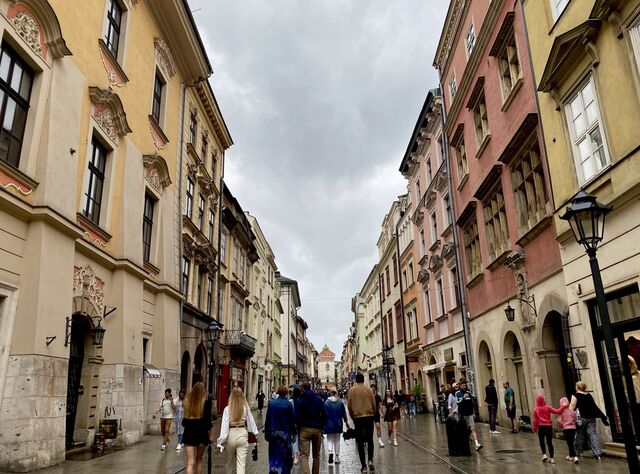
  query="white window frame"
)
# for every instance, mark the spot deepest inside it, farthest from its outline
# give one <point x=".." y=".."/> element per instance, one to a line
<point x="588" y="130"/>
<point x="453" y="88"/>
<point x="427" y="308"/>
<point x="470" y="39"/>
<point x="557" y="7"/>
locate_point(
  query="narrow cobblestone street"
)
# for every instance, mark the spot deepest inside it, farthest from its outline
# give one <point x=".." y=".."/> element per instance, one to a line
<point x="422" y="448"/>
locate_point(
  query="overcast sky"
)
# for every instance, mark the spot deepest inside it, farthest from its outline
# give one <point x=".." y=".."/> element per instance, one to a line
<point x="320" y="99"/>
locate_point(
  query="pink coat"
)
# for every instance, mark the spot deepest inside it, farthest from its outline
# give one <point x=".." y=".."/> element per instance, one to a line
<point x="567" y="418"/>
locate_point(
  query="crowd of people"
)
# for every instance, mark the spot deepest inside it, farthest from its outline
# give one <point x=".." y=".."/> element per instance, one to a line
<point x="298" y="418"/>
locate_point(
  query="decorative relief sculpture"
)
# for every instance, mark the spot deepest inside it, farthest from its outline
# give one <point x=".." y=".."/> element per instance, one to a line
<point x="163" y="57"/>
<point x="85" y="283"/>
<point x="104" y="118"/>
<point x="27" y="27"/>
<point x="153" y="178"/>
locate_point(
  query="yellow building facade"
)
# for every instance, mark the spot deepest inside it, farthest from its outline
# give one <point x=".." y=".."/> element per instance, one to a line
<point x="586" y="58"/>
<point x="90" y="220"/>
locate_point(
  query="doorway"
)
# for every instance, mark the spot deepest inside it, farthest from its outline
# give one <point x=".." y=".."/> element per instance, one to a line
<point x="80" y="329"/>
<point x="558" y="372"/>
<point x="515" y="372"/>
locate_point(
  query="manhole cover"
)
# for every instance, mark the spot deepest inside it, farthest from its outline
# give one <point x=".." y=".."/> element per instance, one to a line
<point x="509" y="451"/>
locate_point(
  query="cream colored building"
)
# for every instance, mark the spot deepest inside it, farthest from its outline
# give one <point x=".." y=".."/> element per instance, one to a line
<point x="93" y="160"/>
<point x="327" y="368"/>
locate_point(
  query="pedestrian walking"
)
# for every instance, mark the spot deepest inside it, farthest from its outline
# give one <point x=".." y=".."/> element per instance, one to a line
<point x="491" y="399"/>
<point x="586" y="414"/>
<point x="361" y="404"/>
<point x="310" y="414"/>
<point x="166" y="410"/>
<point x="543" y="427"/>
<point x="452" y="401"/>
<point x="465" y="408"/>
<point x="197" y="427"/>
<point x="333" y="426"/>
<point x="391" y="416"/>
<point x="510" y="404"/>
<point x="178" y="416"/>
<point x="274" y="395"/>
<point x="295" y="448"/>
<point x="237" y="423"/>
<point x="376" y="414"/>
<point x="412" y="404"/>
<point x="280" y="431"/>
<point x="567" y="420"/>
<point x="260" y="398"/>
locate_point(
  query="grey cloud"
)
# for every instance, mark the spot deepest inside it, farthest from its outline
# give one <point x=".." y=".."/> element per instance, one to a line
<point x="320" y="99"/>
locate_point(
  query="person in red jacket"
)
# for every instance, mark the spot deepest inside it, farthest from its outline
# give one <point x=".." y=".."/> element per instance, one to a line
<point x="543" y="427"/>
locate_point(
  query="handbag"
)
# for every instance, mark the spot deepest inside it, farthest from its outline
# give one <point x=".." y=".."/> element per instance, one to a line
<point x="349" y="434"/>
<point x="253" y="439"/>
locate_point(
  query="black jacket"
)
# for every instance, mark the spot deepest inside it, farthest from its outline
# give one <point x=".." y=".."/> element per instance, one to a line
<point x="491" y="393"/>
<point x="310" y="411"/>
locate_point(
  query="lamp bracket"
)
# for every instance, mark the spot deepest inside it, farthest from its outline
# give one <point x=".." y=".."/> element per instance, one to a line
<point x="531" y="302"/>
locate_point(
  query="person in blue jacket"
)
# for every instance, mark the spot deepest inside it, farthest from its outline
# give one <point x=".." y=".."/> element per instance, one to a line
<point x="333" y="427"/>
<point x="279" y="431"/>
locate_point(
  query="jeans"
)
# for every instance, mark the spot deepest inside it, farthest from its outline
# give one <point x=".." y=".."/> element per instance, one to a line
<point x="238" y="446"/>
<point x="493" y="411"/>
<point x="588" y="429"/>
<point x="364" y="434"/>
<point x="569" y="437"/>
<point x="546" y="433"/>
<point x="310" y="437"/>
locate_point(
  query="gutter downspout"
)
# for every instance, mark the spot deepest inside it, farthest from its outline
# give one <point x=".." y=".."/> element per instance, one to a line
<point x="404" y="332"/>
<point x="385" y="367"/>
<point x="456" y="245"/>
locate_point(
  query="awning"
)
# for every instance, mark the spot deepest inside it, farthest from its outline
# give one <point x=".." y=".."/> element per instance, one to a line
<point x="433" y="367"/>
<point x="151" y="371"/>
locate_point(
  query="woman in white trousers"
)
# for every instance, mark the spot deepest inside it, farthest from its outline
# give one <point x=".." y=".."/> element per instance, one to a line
<point x="237" y="423"/>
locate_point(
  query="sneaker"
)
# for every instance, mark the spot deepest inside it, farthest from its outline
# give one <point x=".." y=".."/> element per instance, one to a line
<point x="371" y="467"/>
<point x="330" y="458"/>
<point x="575" y="460"/>
<point x="478" y="446"/>
<point x="599" y="458"/>
<point x="162" y="447"/>
<point x="296" y="461"/>
<point x="544" y="458"/>
<point x="380" y="442"/>
<point x="395" y="442"/>
<point x="569" y="458"/>
<point x="364" y="469"/>
<point x="551" y="461"/>
<point x="495" y="432"/>
<point x="337" y="460"/>
<point x="179" y="447"/>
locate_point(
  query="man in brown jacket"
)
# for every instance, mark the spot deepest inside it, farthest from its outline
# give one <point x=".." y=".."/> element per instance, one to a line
<point x="362" y="405"/>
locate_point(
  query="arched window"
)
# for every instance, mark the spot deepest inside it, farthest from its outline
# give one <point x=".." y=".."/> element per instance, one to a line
<point x="326" y="367"/>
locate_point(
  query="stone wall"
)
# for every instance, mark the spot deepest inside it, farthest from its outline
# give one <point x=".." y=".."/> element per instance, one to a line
<point x="156" y="387"/>
<point x="33" y="413"/>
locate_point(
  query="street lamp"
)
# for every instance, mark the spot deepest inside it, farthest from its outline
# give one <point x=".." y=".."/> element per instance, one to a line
<point x="586" y="217"/>
<point x="213" y="333"/>
<point x="510" y="312"/>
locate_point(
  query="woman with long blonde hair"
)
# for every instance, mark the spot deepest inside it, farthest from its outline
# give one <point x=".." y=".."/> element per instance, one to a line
<point x="197" y="427"/>
<point x="237" y="422"/>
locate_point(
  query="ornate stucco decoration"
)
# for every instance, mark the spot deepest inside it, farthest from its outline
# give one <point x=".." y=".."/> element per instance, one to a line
<point x="86" y="284"/>
<point x="108" y="112"/>
<point x="163" y="57"/>
<point x="156" y="172"/>
<point x="423" y="276"/>
<point x="37" y="24"/>
<point x="515" y="261"/>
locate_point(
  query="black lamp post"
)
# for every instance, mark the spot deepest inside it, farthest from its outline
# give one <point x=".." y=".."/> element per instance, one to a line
<point x="586" y="218"/>
<point x="213" y="333"/>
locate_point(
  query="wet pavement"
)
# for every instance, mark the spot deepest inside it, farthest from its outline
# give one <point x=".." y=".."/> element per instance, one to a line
<point x="422" y="448"/>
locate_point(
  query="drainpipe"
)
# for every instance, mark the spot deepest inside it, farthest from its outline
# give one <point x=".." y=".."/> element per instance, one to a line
<point x="456" y="243"/>
<point x="404" y="332"/>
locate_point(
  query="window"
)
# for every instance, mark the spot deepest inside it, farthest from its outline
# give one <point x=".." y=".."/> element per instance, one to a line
<point x="236" y="258"/>
<point x="404" y="279"/>
<point x="15" y="90"/>
<point x="395" y="270"/>
<point x="156" y="107"/>
<point x="193" y="128"/>
<point x="440" y="290"/>
<point x="202" y="274"/>
<point x="386" y="271"/>
<point x="495" y="219"/>
<point x="461" y="160"/>
<point x="147" y="227"/>
<point x="508" y="65"/>
<point x="434" y="228"/>
<point x="186" y="268"/>
<point x="409" y="326"/>
<point x="189" y="201"/>
<point x="423" y="247"/>
<point x="584" y="124"/>
<point x="558" y="7"/>
<point x="399" y="331"/>
<point x="473" y="258"/>
<point x="634" y="34"/>
<point x="428" y="169"/>
<point x="440" y="150"/>
<point x="204" y="148"/>
<point x="446" y="211"/>
<point x="214" y="163"/>
<point x="470" y="39"/>
<point x="411" y="277"/>
<point x="527" y="177"/>
<point x="418" y="194"/>
<point x="453" y="88"/>
<point x="223" y="247"/>
<point x="427" y="308"/>
<point x="114" y="25"/>
<point x="481" y="120"/>
<point x="93" y="195"/>
<point x="201" y="212"/>
<point x="209" y="295"/>
<point x="390" y="328"/>
<point x="382" y="286"/>
<point x="212" y="216"/>
<point x="456" y="287"/>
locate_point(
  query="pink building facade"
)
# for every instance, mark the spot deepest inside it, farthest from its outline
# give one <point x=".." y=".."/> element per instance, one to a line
<point x="502" y="202"/>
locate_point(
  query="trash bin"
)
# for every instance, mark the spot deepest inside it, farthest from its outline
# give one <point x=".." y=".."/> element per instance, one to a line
<point x="457" y="436"/>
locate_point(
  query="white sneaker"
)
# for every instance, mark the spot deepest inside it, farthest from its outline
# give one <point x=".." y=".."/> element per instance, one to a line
<point x="551" y="461"/>
<point x="337" y="459"/>
<point x="575" y="460"/>
<point x="179" y="447"/>
<point x="162" y="447"/>
<point x="395" y="443"/>
<point x="380" y="442"/>
<point x="544" y="458"/>
<point x="495" y="432"/>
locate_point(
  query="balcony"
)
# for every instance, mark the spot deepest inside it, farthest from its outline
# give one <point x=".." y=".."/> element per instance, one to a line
<point x="240" y="342"/>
